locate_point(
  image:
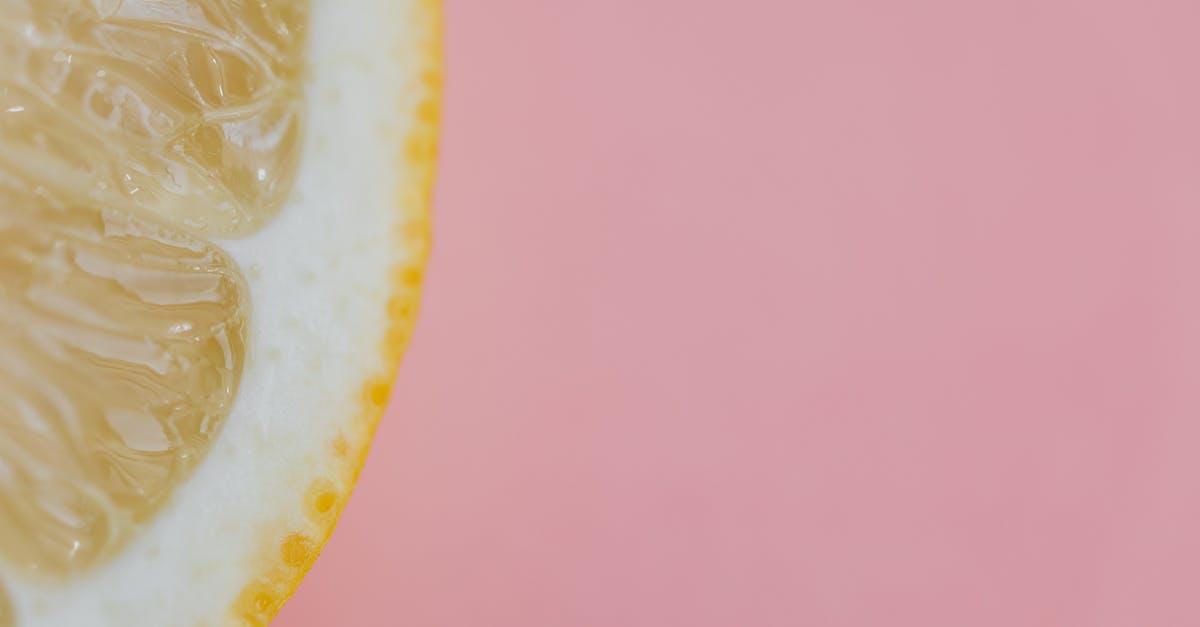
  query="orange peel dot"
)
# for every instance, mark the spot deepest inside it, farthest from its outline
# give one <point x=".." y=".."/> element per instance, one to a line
<point x="378" y="393"/>
<point x="429" y="111"/>
<point x="321" y="499"/>
<point x="412" y="276"/>
<point x="296" y="550"/>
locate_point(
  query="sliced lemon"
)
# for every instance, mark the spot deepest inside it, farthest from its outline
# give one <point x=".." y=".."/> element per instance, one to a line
<point x="213" y="222"/>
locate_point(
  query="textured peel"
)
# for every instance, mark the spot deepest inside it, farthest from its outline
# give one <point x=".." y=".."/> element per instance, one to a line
<point x="290" y="554"/>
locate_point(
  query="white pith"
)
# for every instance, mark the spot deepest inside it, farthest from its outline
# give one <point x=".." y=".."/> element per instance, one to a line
<point x="319" y="277"/>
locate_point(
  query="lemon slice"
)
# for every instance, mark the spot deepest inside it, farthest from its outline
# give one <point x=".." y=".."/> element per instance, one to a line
<point x="213" y="223"/>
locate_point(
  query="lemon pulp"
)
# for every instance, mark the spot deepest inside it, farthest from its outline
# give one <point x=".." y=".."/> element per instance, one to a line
<point x="130" y="132"/>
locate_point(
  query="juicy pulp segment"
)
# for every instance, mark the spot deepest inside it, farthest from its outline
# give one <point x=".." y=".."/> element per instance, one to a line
<point x="121" y="346"/>
<point x="187" y="109"/>
<point x="128" y="132"/>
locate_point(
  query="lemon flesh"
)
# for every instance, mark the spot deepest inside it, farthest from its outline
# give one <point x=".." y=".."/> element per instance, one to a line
<point x="128" y="131"/>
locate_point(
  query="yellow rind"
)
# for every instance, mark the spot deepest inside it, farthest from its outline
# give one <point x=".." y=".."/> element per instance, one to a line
<point x="289" y="550"/>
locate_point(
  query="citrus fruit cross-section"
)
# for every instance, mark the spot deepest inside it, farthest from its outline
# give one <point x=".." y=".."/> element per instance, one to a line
<point x="213" y="222"/>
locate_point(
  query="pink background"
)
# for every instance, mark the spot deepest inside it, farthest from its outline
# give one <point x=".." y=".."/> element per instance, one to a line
<point x="788" y="312"/>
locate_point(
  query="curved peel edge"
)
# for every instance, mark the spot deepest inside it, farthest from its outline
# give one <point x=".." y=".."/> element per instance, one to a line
<point x="291" y="549"/>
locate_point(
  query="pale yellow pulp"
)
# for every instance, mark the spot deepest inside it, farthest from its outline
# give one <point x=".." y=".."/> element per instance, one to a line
<point x="129" y="133"/>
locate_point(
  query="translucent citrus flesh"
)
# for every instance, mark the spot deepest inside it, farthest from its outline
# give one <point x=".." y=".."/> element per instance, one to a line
<point x="188" y="109"/>
<point x="129" y="132"/>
